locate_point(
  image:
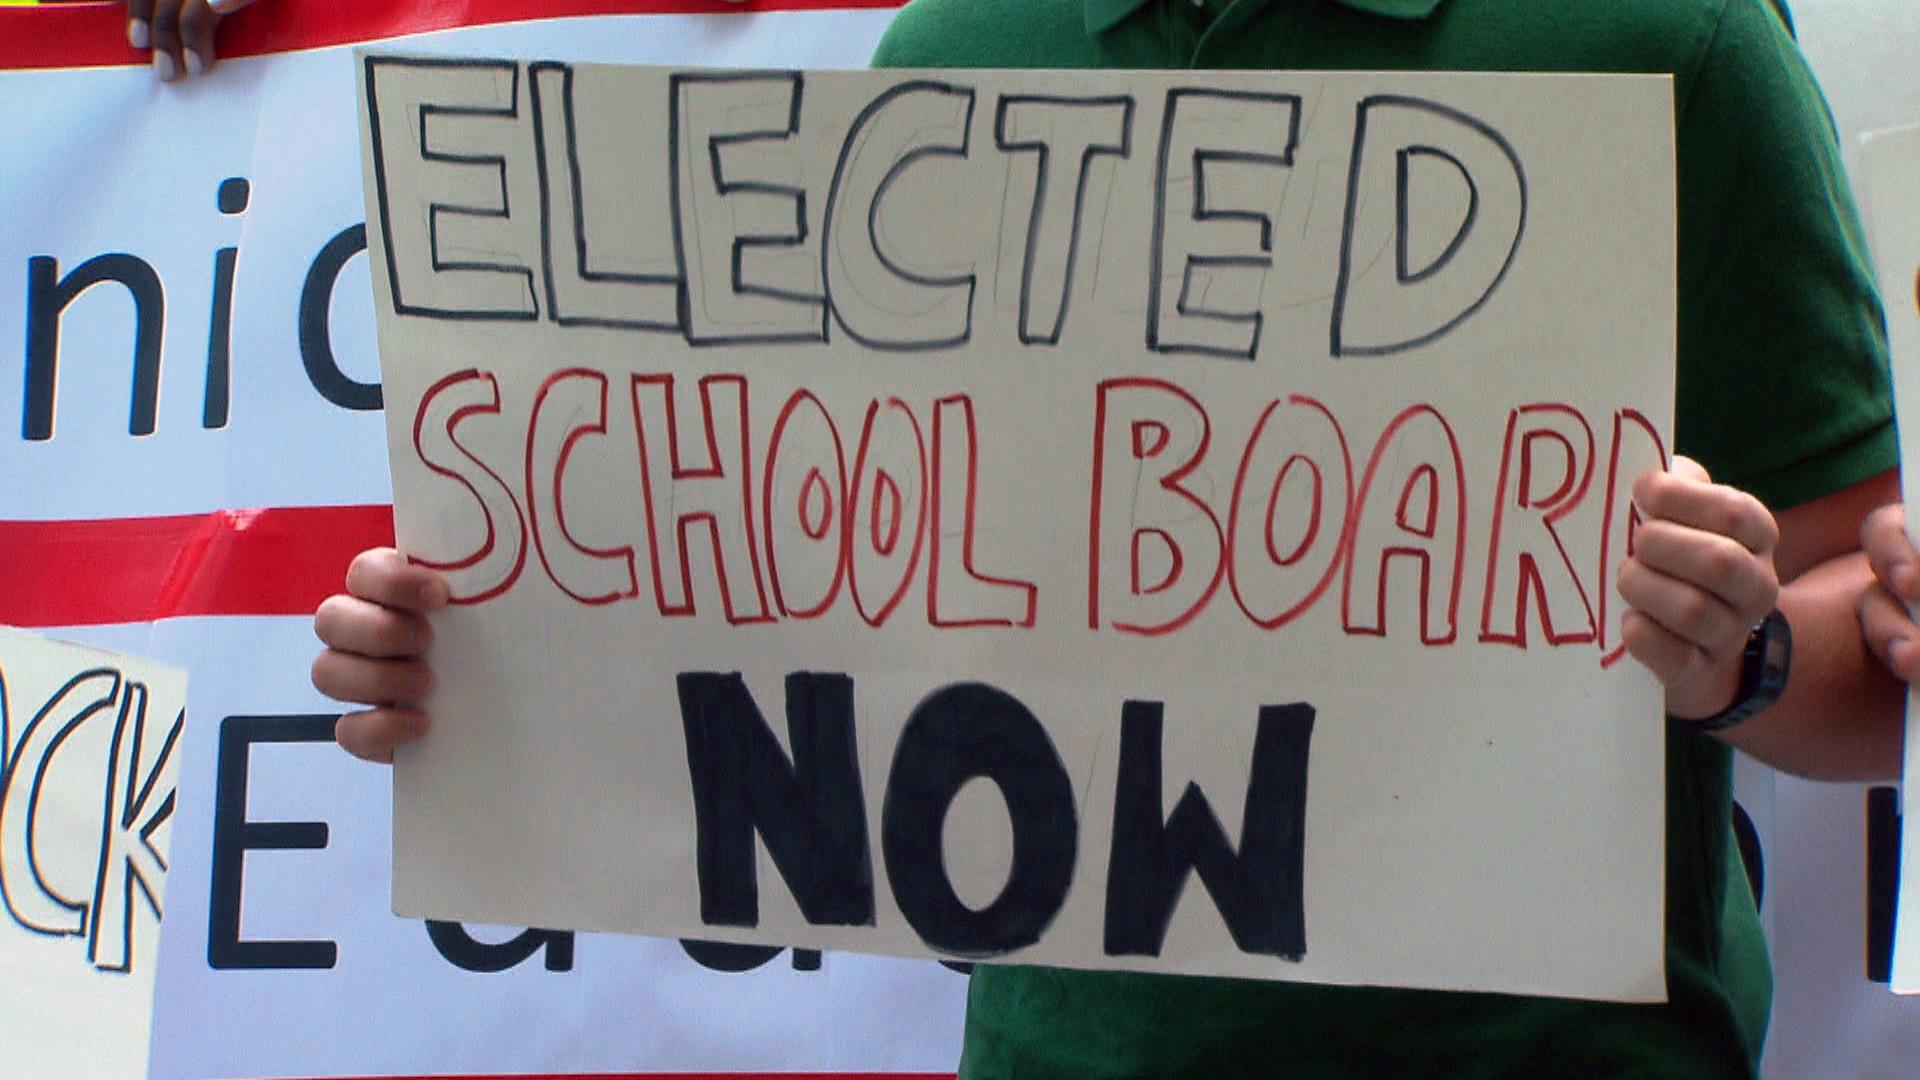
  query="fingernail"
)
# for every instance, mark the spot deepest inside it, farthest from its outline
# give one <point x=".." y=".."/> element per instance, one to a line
<point x="421" y="682"/>
<point x="163" y="67"/>
<point x="222" y="7"/>
<point x="195" y="65"/>
<point x="1900" y="575"/>
<point x="139" y="35"/>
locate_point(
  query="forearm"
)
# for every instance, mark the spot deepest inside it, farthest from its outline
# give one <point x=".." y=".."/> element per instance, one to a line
<point x="1841" y="716"/>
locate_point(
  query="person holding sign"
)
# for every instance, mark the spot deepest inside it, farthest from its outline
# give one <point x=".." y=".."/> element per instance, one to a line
<point x="1783" y="412"/>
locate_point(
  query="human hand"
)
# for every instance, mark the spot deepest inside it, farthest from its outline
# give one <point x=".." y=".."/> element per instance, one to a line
<point x="1886" y="624"/>
<point x="180" y="32"/>
<point x="376" y="634"/>
<point x="1700" y="576"/>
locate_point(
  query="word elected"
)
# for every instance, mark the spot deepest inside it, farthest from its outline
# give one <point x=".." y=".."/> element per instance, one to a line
<point x="753" y="264"/>
<point x="793" y="531"/>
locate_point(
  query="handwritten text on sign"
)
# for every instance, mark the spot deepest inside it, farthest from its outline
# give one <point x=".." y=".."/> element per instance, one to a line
<point x="1117" y="481"/>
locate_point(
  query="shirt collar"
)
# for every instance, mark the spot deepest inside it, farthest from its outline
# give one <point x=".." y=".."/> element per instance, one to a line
<point x="1102" y="15"/>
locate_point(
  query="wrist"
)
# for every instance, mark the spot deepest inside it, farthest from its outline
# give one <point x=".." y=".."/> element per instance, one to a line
<point x="1761" y="676"/>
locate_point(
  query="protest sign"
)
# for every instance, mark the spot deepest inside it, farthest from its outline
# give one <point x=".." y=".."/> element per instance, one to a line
<point x="87" y="767"/>
<point x="1890" y="181"/>
<point x="1115" y="520"/>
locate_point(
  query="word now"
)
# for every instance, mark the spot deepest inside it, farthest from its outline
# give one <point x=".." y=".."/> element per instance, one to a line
<point x="810" y="813"/>
<point x="828" y="512"/>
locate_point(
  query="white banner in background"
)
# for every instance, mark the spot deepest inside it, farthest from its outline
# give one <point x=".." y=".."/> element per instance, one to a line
<point x="280" y="956"/>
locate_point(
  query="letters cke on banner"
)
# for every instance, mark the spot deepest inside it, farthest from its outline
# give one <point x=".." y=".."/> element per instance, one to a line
<point x="867" y="511"/>
<point x="93" y="744"/>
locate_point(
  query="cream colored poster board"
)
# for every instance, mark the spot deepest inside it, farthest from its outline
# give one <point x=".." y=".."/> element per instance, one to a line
<point x="1890" y="179"/>
<point x="87" y="769"/>
<point x="1113" y="520"/>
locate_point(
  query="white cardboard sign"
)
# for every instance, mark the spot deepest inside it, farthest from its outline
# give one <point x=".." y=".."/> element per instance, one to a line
<point x="1890" y="181"/>
<point x="1115" y="520"/>
<point x="87" y="767"/>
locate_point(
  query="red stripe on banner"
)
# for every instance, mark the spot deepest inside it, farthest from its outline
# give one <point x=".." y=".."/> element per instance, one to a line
<point x="95" y="35"/>
<point x="280" y="561"/>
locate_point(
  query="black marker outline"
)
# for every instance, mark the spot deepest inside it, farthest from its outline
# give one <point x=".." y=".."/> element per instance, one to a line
<point x="1123" y="149"/>
<point x="1199" y="212"/>
<point x="434" y="210"/>
<point x="133" y="707"/>
<point x="59" y="737"/>
<point x="716" y="146"/>
<point x="971" y="281"/>
<point x="1413" y="277"/>
<point x="1339" y="348"/>
<point x="543" y="149"/>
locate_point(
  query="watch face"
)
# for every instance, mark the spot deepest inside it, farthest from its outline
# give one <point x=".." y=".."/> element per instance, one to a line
<point x="1773" y="657"/>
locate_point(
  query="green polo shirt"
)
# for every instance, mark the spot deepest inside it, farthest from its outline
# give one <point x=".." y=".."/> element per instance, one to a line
<point x="1782" y="390"/>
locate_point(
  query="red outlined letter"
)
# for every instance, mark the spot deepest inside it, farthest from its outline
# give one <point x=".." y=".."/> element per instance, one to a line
<point x="492" y="567"/>
<point x="715" y="494"/>
<point x="1283" y="533"/>
<point x="1636" y="448"/>
<point x="957" y="593"/>
<point x="560" y="418"/>
<point x="886" y="519"/>
<point x="804" y="505"/>
<point x="1554" y="447"/>
<point x="1416" y="509"/>
<point x="1140" y="506"/>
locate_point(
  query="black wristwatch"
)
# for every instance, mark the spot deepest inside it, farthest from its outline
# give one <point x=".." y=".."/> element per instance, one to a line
<point x="1763" y="674"/>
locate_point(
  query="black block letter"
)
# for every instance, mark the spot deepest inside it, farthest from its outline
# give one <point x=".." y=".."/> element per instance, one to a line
<point x="961" y="732"/>
<point x="809" y="812"/>
<point x="1258" y="889"/>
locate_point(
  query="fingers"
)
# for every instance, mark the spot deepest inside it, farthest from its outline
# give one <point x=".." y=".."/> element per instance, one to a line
<point x="1883" y="535"/>
<point x="1683" y="610"/>
<point x="180" y="33"/>
<point x="197" y="21"/>
<point x="1701" y="574"/>
<point x="166" y="39"/>
<point x="1702" y="564"/>
<point x="375" y="634"/>
<point x="140" y="23"/>
<point x="1731" y="577"/>
<point x="374" y="734"/>
<point x="1685" y="496"/>
<point x="1889" y="631"/>
<point x="366" y="680"/>
<point x="1674" y="660"/>
<point x="384" y="576"/>
<point x="352" y="625"/>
